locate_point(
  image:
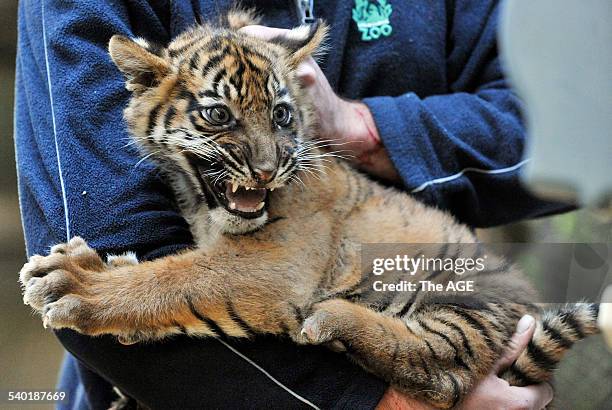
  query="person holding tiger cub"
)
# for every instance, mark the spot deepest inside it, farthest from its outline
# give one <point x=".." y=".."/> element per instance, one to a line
<point x="433" y="103"/>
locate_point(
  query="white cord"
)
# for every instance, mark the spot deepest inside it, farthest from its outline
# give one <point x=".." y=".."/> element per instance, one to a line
<point x="59" y="162"/>
<point x="268" y="375"/>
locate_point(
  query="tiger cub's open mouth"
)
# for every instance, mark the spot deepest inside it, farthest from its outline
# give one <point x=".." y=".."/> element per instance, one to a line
<point x="243" y="200"/>
<point x="246" y="201"/>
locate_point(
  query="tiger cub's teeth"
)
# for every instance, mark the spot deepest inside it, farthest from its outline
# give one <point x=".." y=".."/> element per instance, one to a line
<point x="260" y="206"/>
<point x="272" y="189"/>
<point x="232" y="205"/>
<point x="234" y="187"/>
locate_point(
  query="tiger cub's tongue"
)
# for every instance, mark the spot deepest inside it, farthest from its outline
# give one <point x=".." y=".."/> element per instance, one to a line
<point x="243" y="200"/>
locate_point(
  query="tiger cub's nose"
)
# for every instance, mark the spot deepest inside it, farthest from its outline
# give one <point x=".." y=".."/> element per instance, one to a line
<point x="263" y="175"/>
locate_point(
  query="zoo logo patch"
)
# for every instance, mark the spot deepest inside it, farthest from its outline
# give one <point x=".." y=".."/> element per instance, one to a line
<point x="373" y="19"/>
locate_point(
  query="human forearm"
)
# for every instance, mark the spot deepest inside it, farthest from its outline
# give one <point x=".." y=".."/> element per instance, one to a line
<point x="461" y="152"/>
<point x="356" y="136"/>
<point x="394" y="400"/>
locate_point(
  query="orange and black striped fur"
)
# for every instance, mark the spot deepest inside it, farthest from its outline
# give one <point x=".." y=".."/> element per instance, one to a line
<point x="226" y="120"/>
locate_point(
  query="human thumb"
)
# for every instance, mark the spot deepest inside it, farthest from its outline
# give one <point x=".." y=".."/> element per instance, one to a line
<point x="518" y="342"/>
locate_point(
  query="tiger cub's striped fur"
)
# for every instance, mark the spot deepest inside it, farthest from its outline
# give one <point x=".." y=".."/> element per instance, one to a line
<point x="225" y="118"/>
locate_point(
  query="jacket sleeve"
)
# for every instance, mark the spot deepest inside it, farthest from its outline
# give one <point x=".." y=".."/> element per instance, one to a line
<point x="462" y="151"/>
<point x="77" y="177"/>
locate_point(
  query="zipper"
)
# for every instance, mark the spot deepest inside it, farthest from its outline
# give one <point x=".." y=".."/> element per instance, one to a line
<point x="305" y="10"/>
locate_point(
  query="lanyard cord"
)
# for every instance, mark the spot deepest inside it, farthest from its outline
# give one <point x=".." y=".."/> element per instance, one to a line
<point x="54" y="124"/>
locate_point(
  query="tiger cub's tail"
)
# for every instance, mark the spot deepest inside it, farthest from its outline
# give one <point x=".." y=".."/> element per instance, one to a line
<point x="555" y="334"/>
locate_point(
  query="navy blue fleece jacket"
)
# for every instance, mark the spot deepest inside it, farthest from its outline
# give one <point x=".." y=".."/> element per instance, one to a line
<point x="434" y="85"/>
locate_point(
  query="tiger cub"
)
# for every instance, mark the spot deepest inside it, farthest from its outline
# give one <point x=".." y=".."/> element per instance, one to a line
<point x="279" y="244"/>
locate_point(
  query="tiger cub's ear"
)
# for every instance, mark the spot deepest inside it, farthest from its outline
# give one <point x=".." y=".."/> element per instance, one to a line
<point x="141" y="66"/>
<point x="304" y="41"/>
<point x="238" y="18"/>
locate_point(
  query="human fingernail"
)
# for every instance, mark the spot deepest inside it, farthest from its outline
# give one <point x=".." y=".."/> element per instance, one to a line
<point x="525" y="324"/>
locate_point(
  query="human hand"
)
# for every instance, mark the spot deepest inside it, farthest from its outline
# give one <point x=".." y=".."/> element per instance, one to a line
<point x="495" y="393"/>
<point x="492" y="392"/>
<point x="345" y="126"/>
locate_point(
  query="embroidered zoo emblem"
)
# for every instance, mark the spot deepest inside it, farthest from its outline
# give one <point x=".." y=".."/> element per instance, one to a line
<point x="373" y="19"/>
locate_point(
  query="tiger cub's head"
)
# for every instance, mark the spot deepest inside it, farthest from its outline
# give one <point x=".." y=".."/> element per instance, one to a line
<point x="223" y="114"/>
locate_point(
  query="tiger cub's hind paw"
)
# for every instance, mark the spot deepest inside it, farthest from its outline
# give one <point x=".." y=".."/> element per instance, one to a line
<point x="316" y="329"/>
<point x="320" y="328"/>
<point x="125" y="259"/>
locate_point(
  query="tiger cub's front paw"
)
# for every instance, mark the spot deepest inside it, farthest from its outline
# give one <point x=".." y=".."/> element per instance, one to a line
<point x="56" y="285"/>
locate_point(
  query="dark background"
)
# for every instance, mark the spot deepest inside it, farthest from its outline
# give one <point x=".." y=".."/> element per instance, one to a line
<point x="29" y="355"/>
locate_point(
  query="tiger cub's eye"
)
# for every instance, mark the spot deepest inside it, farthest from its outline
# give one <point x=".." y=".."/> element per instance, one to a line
<point x="281" y="115"/>
<point x="217" y="115"/>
